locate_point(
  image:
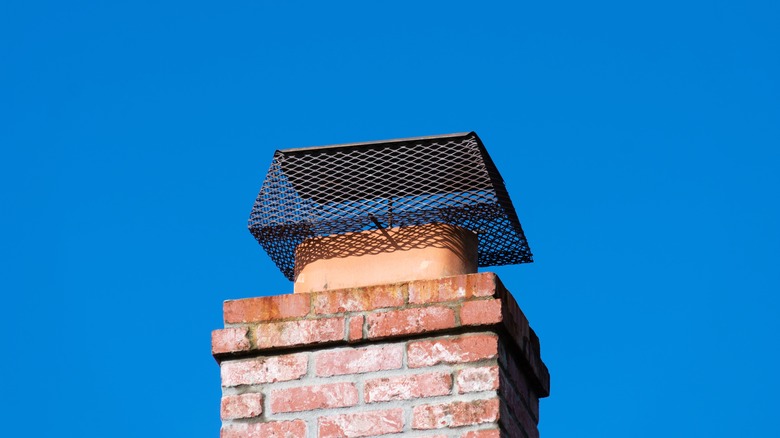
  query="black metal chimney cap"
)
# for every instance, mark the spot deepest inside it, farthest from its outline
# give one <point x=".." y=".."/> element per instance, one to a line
<point x="321" y="191"/>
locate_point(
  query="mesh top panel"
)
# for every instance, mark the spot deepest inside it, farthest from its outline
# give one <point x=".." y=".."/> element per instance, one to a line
<point x="329" y="190"/>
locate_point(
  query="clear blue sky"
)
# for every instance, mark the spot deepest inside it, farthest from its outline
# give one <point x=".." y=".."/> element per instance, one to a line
<point x="640" y="144"/>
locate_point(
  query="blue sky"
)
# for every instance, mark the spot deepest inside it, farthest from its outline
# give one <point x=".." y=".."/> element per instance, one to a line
<point x="639" y="143"/>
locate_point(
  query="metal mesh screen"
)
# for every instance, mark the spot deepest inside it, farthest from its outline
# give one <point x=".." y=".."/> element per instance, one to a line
<point x="450" y="179"/>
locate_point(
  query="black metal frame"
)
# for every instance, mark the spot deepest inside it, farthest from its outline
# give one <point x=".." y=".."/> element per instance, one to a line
<point x="322" y="191"/>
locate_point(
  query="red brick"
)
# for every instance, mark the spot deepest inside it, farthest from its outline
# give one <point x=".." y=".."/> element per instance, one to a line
<point x="358" y="360"/>
<point x="489" y="433"/>
<point x="516" y="324"/>
<point x="457" y="288"/>
<point x="307" y="398"/>
<point x="230" y="340"/>
<point x="410" y="321"/>
<point x="477" y="379"/>
<point x="357" y="300"/>
<point x="361" y="424"/>
<point x="301" y="332"/>
<point x="481" y="312"/>
<point x="460" y="349"/>
<point x="241" y="406"/>
<point x="274" y="429"/>
<point x="264" y="370"/>
<point x="266" y="308"/>
<point x="356" y="327"/>
<point x="455" y="414"/>
<point x="407" y="387"/>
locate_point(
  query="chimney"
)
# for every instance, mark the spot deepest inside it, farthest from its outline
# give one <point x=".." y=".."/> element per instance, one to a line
<point x="390" y="329"/>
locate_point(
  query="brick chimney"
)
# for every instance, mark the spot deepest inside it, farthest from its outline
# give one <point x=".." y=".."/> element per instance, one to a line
<point x="390" y="329"/>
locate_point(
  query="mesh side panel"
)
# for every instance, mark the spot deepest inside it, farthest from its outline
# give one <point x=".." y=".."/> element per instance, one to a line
<point x="333" y="190"/>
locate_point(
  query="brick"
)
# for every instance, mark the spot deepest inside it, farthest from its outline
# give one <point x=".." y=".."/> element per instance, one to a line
<point x="409" y="321"/>
<point x="274" y="429"/>
<point x="307" y="398"/>
<point x="517" y="405"/>
<point x="457" y="288"/>
<point x="481" y="312"/>
<point x="301" y="332"/>
<point x="512" y="426"/>
<point x="241" y="406"/>
<point x="407" y="387"/>
<point x="511" y="374"/>
<point x="455" y="414"/>
<point x="511" y="369"/>
<point x="263" y="309"/>
<point x="488" y="433"/>
<point x="230" y="340"/>
<point x="361" y="424"/>
<point x="477" y="379"/>
<point x="356" y="327"/>
<point x="358" y="360"/>
<point x="264" y="370"/>
<point x="533" y="405"/>
<point x="357" y="300"/>
<point x="516" y="324"/>
<point x="459" y="349"/>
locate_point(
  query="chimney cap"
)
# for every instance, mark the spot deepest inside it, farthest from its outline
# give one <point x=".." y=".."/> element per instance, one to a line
<point x="377" y="142"/>
<point x="326" y="190"/>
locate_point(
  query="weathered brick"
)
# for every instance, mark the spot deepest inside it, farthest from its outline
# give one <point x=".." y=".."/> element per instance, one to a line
<point x="457" y="349"/>
<point x="307" y="398"/>
<point x="480" y="312"/>
<point x="487" y="433"/>
<point x="455" y="414"/>
<point x="329" y="318"/>
<point x="358" y="360"/>
<point x="263" y="309"/>
<point x="409" y="321"/>
<point x="477" y="379"/>
<point x="356" y="327"/>
<point x="274" y="429"/>
<point x="361" y="424"/>
<point x="241" y="406"/>
<point x="407" y="387"/>
<point x="230" y="340"/>
<point x="357" y="300"/>
<point x="301" y="332"/>
<point x="264" y="369"/>
<point x="456" y="288"/>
